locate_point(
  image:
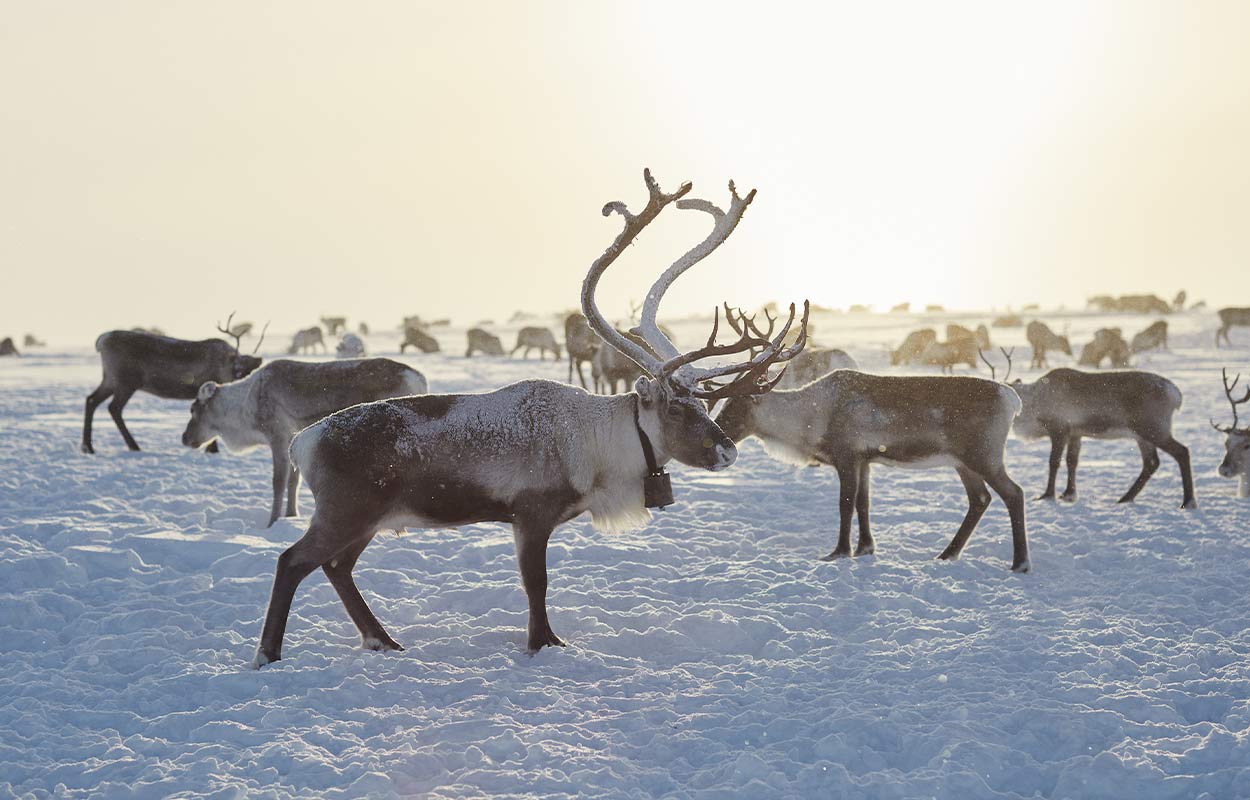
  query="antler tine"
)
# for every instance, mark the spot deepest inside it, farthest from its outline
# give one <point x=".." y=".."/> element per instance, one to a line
<point x="745" y="342"/>
<point x="724" y="224"/>
<point x="634" y="223"/>
<point x="263" y="331"/>
<point x="1232" y="401"/>
<point x="729" y="317"/>
<point x="772" y="321"/>
<point x="226" y="330"/>
<point x="1007" y="355"/>
<point x="993" y="372"/>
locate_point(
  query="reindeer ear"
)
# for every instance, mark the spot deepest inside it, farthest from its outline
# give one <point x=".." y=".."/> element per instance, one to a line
<point x="646" y="389"/>
<point x="206" y="392"/>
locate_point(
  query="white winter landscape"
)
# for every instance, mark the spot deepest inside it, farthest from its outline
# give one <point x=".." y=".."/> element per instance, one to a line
<point x="710" y="654"/>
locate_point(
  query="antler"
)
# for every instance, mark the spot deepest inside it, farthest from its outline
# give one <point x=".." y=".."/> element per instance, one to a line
<point x="1228" y="392"/>
<point x="723" y="226"/>
<point x="634" y="223"/>
<point x="993" y="372"/>
<point x="752" y="375"/>
<point x="226" y="330"/>
<point x="261" y="339"/>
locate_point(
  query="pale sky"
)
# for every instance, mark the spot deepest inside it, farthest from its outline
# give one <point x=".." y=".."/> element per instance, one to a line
<point x="162" y="163"/>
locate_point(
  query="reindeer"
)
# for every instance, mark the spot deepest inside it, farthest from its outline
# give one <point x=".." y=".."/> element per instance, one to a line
<point x="282" y="398"/>
<point x="350" y="346"/>
<point x="1231" y="318"/>
<point x="581" y="343"/>
<point x="850" y="420"/>
<point x="415" y="336"/>
<point x="947" y="354"/>
<point x="610" y="365"/>
<point x="1007" y="321"/>
<point x="1042" y="338"/>
<point x="169" y="368"/>
<point x="535" y="453"/>
<point x="8" y="348"/>
<point x="1154" y="336"/>
<point x="306" y="340"/>
<point x="334" y="324"/>
<point x="30" y="340"/>
<point x="481" y="341"/>
<point x="532" y="337"/>
<point x="1236" y="461"/>
<point x="981" y="335"/>
<point x="240" y="329"/>
<point x="1067" y="404"/>
<point x="913" y="347"/>
<point x="1108" y="344"/>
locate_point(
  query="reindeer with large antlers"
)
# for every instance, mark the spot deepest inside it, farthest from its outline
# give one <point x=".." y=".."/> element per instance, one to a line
<point x="166" y="367"/>
<point x="533" y="454"/>
<point x="1236" y="461"/>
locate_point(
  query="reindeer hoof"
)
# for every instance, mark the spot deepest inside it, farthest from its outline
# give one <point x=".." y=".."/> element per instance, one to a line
<point x="1022" y="567"/>
<point x="544" y="639"/>
<point x="88" y="449"/>
<point x="262" y="658"/>
<point x="836" y="554"/>
<point x="1071" y="497"/>
<point x="1191" y="503"/>
<point x="865" y="550"/>
<point x="1048" y="496"/>
<point x="948" y="555"/>
<point x="380" y="645"/>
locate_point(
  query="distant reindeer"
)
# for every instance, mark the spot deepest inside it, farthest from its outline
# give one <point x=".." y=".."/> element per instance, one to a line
<point x="913" y="347"/>
<point x="934" y="308"/>
<point x="334" y="325"/>
<point x="1231" y="318"/>
<point x="1143" y="304"/>
<point x="1108" y="344"/>
<point x="1178" y="302"/>
<point x="1030" y="307"/>
<point x="1066" y="405"/>
<point x="1236" y="461"/>
<point x="534" y="454"/>
<point x="981" y="335"/>
<point x="363" y="328"/>
<point x="481" y="341"/>
<point x="306" y="340"/>
<point x="350" y="346"/>
<point x="415" y="336"/>
<point x="1041" y="339"/>
<point x="581" y="343"/>
<point x="173" y="369"/>
<point x="950" y="353"/>
<point x="900" y="308"/>
<point x="30" y="340"/>
<point x="850" y="420"/>
<point x="609" y="365"/>
<point x="814" y="363"/>
<point x="1103" y="302"/>
<point x="1154" y="336"/>
<point x="240" y="329"/>
<point x="533" y="337"/>
<point x="7" y="348"/>
<point x="1007" y="321"/>
<point x="282" y="398"/>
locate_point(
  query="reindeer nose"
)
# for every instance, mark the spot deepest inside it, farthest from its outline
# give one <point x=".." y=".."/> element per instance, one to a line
<point x="724" y="454"/>
<point x="186" y="440"/>
<point x="1225" y="471"/>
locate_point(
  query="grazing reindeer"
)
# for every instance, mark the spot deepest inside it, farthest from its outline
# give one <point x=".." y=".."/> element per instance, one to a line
<point x="241" y="329"/>
<point x="481" y="341"/>
<point x="532" y="337"/>
<point x="8" y="348"/>
<point x="1231" y="318"/>
<point x="1236" y="461"/>
<point x="913" y="347"/>
<point x="282" y="398"/>
<point x="1066" y="404"/>
<point x="306" y="340"/>
<point x="170" y="368"/>
<point x="851" y="420"/>
<point x="415" y="336"/>
<point x="535" y="454"/>
<point x="1041" y="339"/>
<point x="581" y="343"/>
<point x="610" y="365"/>
<point x="1108" y="344"/>
<point x="981" y="335"/>
<point x="334" y="324"/>
<point x="1154" y="336"/>
<point x="350" y="346"/>
<point x="947" y="354"/>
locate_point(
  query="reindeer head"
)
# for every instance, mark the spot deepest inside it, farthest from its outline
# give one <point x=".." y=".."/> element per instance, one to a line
<point x="206" y="419"/>
<point x="673" y="394"/>
<point x="1236" y="439"/>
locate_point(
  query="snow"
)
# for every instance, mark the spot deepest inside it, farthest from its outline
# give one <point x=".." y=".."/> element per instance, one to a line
<point x="710" y="654"/>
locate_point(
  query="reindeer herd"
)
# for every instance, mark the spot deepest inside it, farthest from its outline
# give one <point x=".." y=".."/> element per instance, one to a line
<point x="379" y="451"/>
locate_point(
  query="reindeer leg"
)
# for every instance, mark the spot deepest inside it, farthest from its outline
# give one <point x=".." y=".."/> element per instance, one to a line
<point x="292" y="492"/>
<point x="1010" y="492"/>
<point x="978" y="501"/>
<point x="848" y="493"/>
<point x="115" y="411"/>
<point x="1057" y="442"/>
<point x="281" y="471"/>
<point x="1149" y="463"/>
<point x="316" y="547"/>
<point x="339" y="570"/>
<point x="212" y="447"/>
<point x="1074" y="456"/>
<point x="1180" y="452"/>
<point x="865" y="546"/>
<point x="94" y="400"/>
<point x="531" y="552"/>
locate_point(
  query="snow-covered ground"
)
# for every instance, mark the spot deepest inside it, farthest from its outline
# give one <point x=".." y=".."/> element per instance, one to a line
<point x="710" y="654"/>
